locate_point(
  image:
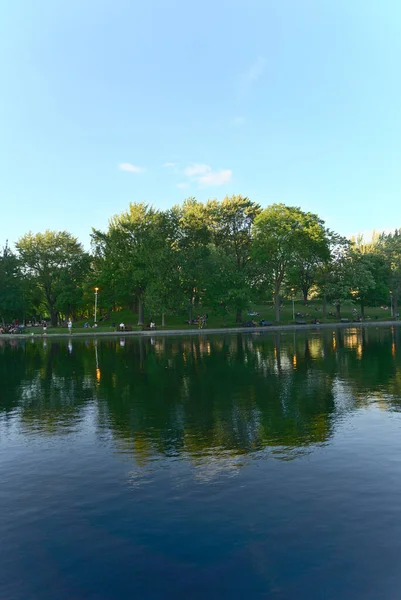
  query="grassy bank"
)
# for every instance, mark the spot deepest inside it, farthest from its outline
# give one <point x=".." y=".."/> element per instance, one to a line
<point x="217" y="321"/>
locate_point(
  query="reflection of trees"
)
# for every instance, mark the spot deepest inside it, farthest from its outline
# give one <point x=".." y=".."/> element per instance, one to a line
<point x="45" y="382"/>
<point x="204" y="397"/>
<point x="236" y="394"/>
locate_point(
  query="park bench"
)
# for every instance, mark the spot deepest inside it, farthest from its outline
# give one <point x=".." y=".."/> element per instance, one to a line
<point x="299" y="322"/>
<point x="126" y="328"/>
<point x="344" y="320"/>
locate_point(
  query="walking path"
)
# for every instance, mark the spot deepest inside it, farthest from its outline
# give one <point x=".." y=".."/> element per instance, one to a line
<point x="228" y="330"/>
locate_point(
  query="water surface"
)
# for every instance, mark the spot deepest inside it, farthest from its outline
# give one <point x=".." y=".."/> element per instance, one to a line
<point x="256" y="465"/>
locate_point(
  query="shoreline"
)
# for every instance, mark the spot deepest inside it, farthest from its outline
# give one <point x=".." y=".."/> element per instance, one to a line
<point x="213" y="331"/>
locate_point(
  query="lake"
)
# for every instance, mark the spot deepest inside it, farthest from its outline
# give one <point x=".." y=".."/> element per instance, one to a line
<point x="224" y="466"/>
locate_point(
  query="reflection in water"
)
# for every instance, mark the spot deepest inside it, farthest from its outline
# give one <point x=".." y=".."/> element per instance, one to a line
<point x="203" y="398"/>
<point x="229" y="466"/>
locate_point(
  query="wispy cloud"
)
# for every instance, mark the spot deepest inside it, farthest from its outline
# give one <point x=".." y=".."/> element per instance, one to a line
<point x="215" y="178"/>
<point x="182" y="185"/>
<point x="196" y="169"/>
<point x="130" y="168"/>
<point x="256" y="70"/>
<point x="204" y="175"/>
<point x="248" y="79"/>
<point x="169" y="165"/>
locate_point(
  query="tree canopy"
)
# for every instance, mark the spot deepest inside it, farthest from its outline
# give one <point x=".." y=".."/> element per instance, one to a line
<point x="221" y="255"/>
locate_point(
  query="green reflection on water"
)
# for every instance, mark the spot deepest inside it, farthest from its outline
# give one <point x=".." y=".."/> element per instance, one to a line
<point x="230" y="395"/>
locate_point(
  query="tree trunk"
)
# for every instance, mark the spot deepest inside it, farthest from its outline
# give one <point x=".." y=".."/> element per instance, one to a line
<point x="305" y="293"/>
<point x="362" y="309"/>
<point x="338" y="311"/>
<point x="163" y="319"/>
<point x="277" y="303"/>
<point x="141" y="310"/>
<point x="53" y="317"/>
<point x="238" y="316"/>
<point x="191" y="308"/>
<point x="395" y="306"/>
<point x="325" y="307"/>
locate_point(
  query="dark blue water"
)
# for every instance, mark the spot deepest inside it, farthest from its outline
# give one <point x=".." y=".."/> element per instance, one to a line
<point x="260" y="466"/>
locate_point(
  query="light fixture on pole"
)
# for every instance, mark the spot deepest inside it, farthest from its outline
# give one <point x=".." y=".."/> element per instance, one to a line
<point x="293" y="306"/>
<point x="96" y="291"/>
<point x="391" y="302"/>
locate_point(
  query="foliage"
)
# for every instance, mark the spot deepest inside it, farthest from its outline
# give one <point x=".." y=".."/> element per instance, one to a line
<point x="222" y="255"/>
<point x="58" y="265"/>
<point x="283" y="236"/>
<point x="12" y="300"/>
<point x="231" y="224"/>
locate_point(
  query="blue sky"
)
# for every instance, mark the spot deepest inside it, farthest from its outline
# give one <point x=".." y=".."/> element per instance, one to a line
<point x="108" y="102"/>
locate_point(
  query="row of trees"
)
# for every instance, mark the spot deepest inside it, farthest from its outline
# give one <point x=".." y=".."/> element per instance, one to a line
<point x="220" y="254"/>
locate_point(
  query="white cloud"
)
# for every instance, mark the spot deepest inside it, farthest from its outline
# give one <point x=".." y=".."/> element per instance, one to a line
<point x="250" y="76"/>
<point x="204" y="175"/>
<point x="169" y="165"/>
<point x="130" y="168"/>
<point x="182" y="185"/>
<point x="256" y="70"/>
<point x="196" y="169"/>
<point x="215" y="178"/>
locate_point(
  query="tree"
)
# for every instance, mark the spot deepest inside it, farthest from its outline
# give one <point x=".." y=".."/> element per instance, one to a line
<point x="191" y="246"/>
<point x="347" y="277"/>
<point x="54" y="259"/>
<point x="231" y="224"/>
<point x="283" y="236"/>
<point x="129" y="248"/>
<point x="12" y="301"/>
<point x="390" y="250"/>
<point x="163" y="293"/>
<point x="371" y="276"/>
<point x="225" y="286"/>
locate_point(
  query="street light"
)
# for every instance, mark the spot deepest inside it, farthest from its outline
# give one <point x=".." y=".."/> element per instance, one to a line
<point x="391" y="302"/>
<point x="293" y="307"/>
<point x="96" y="291"/>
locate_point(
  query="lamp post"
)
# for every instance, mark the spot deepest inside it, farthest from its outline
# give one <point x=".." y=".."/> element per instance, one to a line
<point x="96" y="291"/>
<point x="391" y="302"/>
<point x="293" y="306"/>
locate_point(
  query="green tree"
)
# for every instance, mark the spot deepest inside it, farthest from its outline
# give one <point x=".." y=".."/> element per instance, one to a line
<point x="191" y="245"/>
<point x="231" y="224"/>
<point x="372" y="275"/>
<point x="390" y="250"/>
<point x="128" y="249"/>
<point x="348" y="277"/>
<point x="54" y="259"/>
<point x="12" y="300"/>
<point x="284" y="236"/>
<point x="163" y="293"/>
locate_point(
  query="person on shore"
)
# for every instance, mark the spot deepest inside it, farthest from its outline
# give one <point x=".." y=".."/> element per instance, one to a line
<point x="152" y="325"/>
<point x="69" y="326"/>
<point x="122" y="326"/>
<point x="44" y="327"/>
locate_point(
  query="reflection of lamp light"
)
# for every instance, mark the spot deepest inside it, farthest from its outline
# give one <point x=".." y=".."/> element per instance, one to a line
<point x="294" y="360"/>
<point x="98" y="374"/>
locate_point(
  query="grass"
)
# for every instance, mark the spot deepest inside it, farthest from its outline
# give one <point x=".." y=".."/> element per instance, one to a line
<point x="266" y="311"/>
